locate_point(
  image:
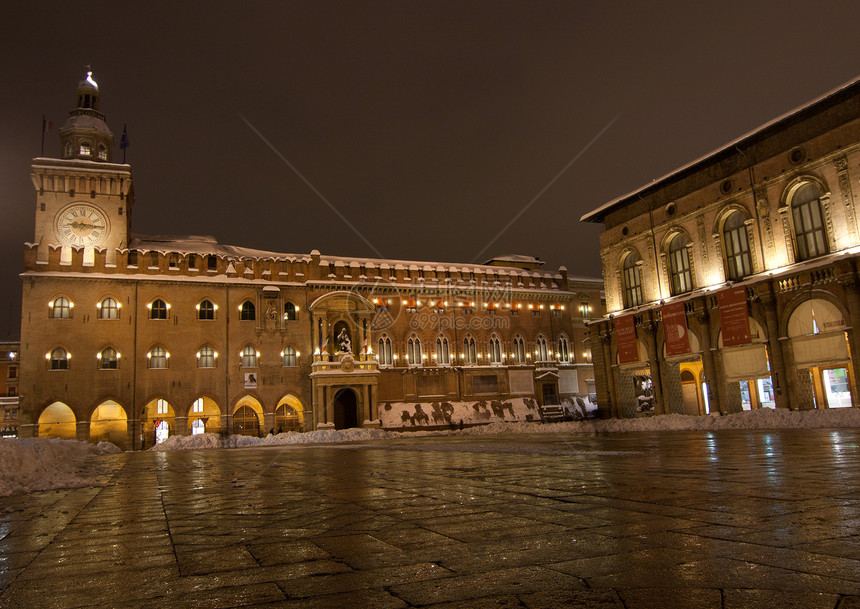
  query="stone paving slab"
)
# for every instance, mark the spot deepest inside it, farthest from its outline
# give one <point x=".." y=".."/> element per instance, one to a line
<point x="722" y="520"/>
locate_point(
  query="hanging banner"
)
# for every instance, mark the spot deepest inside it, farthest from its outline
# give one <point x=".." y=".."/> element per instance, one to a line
<point x="675" y="329"/>
<point x="734" y="317"/>
<point x="625" y="335"/>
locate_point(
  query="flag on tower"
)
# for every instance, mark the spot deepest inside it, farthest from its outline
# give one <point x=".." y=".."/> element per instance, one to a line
<point x="324" y="348"/>
<point x="123" y="142"/>
<point x="46" y="126"/>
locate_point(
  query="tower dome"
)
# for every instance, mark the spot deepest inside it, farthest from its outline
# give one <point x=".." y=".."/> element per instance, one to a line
<point x="86" y="134"/>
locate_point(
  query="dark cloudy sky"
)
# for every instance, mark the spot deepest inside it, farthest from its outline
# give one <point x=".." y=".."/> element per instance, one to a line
<point x="428" y="125"/>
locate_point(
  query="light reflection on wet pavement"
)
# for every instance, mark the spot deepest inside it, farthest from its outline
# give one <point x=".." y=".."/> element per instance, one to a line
<point x="629" y="521"/>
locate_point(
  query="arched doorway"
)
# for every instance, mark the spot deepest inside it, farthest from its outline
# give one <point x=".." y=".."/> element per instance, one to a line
<point x="246" y="417"/>
<point x="345" y="409"/>
<point x="690" y="391"/>
<point x="159" y="422"/>
<point x="204" y="416"/>
<point x="109" y="423"/>
<point x="289" y="415"/>
<point x="58" y="421"/>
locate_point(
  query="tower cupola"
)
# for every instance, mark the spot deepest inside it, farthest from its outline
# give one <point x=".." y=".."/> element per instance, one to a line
<point x="86" y="134"/>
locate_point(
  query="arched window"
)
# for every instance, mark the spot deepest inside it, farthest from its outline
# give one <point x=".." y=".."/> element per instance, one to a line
<point x="108" y="359"/>
<point x="737" y="246"/>
<point x="443" y="352"/>
<point x="632" y="281"/>
<point x="157" y="357"/>
<point x="680" y="278"/>
<point x="249" y="357"/>
<point x="247" y="311"/>
<point x="290" y="311"/>
<point x="197" y="406"/>
<point x="289" y="354"/>
<point x="86" y="149"/>
<point x="158" y="309"/>
<point x="809" y="232"/>
<point x="102" y="152"/>
<point x="413" y="350"/>
<point x="61" y="308"/>
<point x="563" y="350"/>
<point x="206" y="310"/>
<point x="519" y="350"/>
<point x="383" y="351"/>
<point x="470" y="352"/>
<point x="206" y="357"/>
<point x="494" y="351"/>
<point x="541" y="350"/>
<point x="108" y="309"/>
<point x="59" y="359"/>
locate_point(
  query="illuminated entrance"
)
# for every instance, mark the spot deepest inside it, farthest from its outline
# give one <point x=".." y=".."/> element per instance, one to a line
<point x="58" y="421"/>
<point x="289" y="415"/>
<point x="246" y="417"/>
<point x="345" y="409"/>
<point x="109" y="423"/>
<point x="159" y="421"/>
<point x="204" y="416"/>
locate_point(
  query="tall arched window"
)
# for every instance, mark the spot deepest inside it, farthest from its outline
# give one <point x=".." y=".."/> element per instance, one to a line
<point x="383" y="351"/>
<point x="108" y="359"/>
<point x="61" y="308"/>
<point x="206" y="357"/>
<point x="737" y="246"/>
<point x="519" y="350"/>
<point x="541" y="350"/>
<point x="470" y="352"/>
<point x="247" y="311"/>
<point x="809" y="232"/>
<point x="680" y="277"/>
<point x="157" y="357"/>
<point x="632" y="281"/>
<point x="563" y="350"/>
<point x="289" y="354"/>
<point x="413" y="350"/>
<point x="59" y="359"/>
<point x="249" y="357"/>
<point x="206" y="310"/>
<point x="443" y="352"/>
<point x="290" y="311"/>
<point x="108" y="309"/>
<point x="494" y="351"/>
<point x="158" y="309"/>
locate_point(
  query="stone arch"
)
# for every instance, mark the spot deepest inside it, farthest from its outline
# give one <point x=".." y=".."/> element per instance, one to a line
<point x="726" y="211"/>
<point x="57" y="420"/>
<point x="345" y="408"/>
<point x="157" y="426"/>
<point x="210" y="417"/>
<point x="247" y="416"/>
<point x="289" y="414"/>
<point x="670" y="233"/>
<point x="799" y="312"/>
<point x="797" y="181"/>
<point x="109" y="423"/>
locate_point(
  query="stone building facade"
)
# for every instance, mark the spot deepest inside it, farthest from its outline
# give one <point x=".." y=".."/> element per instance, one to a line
<point x="732" y="282"/>
<point x="131" y="338"/>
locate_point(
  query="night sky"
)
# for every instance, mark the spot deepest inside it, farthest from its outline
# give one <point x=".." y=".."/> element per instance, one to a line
<point x="428" y="125"/>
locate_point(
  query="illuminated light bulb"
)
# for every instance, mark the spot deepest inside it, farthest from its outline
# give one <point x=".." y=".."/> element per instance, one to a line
<point x="72" y="305"/>
<point x="47" y="356"/>
<point x="98" y="355"/>
<point x="198" y="355"/>
<point x="118" y="355"/>
<point x="68" y="356"/>
<point x="297" y="308"/>
<point x="148" y="355"/>
<point x="197" y="306"/>
<point x="119" y="305"/>
<point x="214" y="307"/>
<point x="297" y="354"/>
<point x="215" y="354"/>
<point x="98" y="305"/>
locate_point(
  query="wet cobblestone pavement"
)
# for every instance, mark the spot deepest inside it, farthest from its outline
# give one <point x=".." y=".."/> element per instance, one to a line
<point x="634" y="521"/>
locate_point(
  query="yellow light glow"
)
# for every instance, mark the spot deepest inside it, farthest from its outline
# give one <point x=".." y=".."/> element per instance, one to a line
<point x="47" y="356"/>
<point x="297" y="354"/>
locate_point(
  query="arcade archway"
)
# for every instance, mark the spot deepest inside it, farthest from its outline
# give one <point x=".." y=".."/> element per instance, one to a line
<point x="58" y="421"/>
<point x="159" y="422"/>
<point x="109" y="423"/>
<point x="246" y="417"/>
<point x="289" y="415"/>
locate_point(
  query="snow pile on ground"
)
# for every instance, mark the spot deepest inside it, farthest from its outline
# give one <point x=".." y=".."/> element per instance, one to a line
<point x="38" y="464"/>
<point x="411" y="415"/>
<point x="757" y="419"/>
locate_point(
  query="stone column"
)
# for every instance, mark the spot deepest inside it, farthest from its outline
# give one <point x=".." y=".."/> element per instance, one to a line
<point x="716" y="401"/>
<point x="82" y="431"/>
<point x="226" y="424"/>
<point x="654" y="363"/>
<point x="852" y="292"/>
<point x="180" y="425"/>
<point x="777" y="362"/>
<point x="268" y="422"/>
<point x="365" y="400"/>
<point x="130" y="427"/>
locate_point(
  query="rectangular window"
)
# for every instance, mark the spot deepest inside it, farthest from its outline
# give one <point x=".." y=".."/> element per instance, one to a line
<point x="485" y="384"/>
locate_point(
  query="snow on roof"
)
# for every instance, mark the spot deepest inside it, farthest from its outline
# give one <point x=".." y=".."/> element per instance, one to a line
<point x="207" y="244"/>
<point x="598" y="214"/>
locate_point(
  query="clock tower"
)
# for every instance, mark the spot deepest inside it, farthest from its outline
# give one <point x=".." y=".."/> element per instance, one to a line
<point x="83" y="199"/>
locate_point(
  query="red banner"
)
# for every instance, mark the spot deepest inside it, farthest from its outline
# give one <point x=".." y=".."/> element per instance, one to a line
<point x="675" y="329"/>
<point x="734" y="316"/>
<point x="625" y="335"/>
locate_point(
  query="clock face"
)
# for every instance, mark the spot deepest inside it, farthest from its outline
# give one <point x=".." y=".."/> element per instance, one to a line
<point x="82" y="225"/>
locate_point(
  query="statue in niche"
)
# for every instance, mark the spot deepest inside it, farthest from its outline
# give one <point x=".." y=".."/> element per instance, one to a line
<point x="344" y="345"/>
